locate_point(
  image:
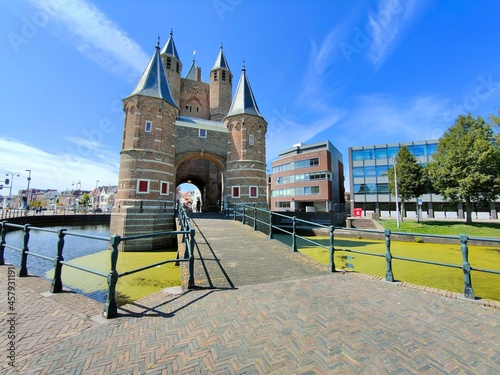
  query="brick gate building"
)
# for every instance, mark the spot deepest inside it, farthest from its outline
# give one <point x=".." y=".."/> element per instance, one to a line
<point x="183" y="129"/>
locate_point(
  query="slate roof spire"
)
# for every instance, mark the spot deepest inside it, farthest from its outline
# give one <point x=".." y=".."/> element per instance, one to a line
<point x="244" y="100"/>
<point x="153" y="81"/>
<point x="169" y="48"/>
<point x="220" y="61"/>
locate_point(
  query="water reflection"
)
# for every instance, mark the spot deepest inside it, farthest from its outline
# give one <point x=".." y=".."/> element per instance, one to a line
<point x="45" y="243"/>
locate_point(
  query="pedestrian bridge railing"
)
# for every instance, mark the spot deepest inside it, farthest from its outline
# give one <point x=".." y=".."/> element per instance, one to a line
<point x="186" y="232"/>
<point x="269" y="222"/>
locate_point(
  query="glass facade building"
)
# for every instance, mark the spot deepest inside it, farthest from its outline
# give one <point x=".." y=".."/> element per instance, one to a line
<point x="369" y="183"/>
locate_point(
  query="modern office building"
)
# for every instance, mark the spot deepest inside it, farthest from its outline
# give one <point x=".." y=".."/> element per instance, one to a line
<point x="308" y="178"/>
<point x="369" y="184"/>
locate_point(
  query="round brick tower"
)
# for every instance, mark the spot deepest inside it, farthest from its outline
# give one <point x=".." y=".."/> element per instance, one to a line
<point x="146" y="182"/>
<point x="246" y="156"/>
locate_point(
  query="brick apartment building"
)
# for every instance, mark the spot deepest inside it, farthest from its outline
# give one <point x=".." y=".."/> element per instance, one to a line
<point x="308" y="178"/>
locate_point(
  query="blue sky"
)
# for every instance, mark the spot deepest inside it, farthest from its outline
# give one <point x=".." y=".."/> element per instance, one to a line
<point x="353" y="72"/>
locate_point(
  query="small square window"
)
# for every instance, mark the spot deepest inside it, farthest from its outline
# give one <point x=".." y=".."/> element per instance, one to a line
<point x="202" y="133"/>
<point x="235" y="192"/>
<point x="148" y="126"/>
<point x="164" y="188"/>
<point x="251" y="140"/>
<point x="254" y="191"/>
<point x="143" y="186"/>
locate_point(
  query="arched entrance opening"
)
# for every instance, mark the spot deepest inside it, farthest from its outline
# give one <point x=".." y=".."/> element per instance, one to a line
<point x="206" y="173"/>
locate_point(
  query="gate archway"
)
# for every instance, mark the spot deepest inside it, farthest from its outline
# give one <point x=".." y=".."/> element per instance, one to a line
<point x="206" y="172"/>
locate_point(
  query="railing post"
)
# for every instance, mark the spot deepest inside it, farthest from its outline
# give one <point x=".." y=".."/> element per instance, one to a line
<point x="23" y="269"/>
<point x="243" y="216"/>
<point x="234" y="211"/>
<point x="56" y="286"/>
<point x="270" y="224"/>
<point x="110" y="308"/>
<point x="388" y="256"/>
<point x="191" y="260"/>
<point x="2" y="242"/>
<point x="331" y="265"/>
<point x="468" y="291"/>
<point x="294" y="238"/>
<point x="254" y="216"/>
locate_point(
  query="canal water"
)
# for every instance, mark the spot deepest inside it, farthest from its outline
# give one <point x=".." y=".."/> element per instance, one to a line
<point x="94" y="254"/>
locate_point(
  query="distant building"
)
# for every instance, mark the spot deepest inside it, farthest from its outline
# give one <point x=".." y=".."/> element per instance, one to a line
<point x="369" y="184"/>
<point x="308" y="178"/>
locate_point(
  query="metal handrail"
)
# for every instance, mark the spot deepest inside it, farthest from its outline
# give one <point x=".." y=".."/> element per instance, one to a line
<point x="247" y="213"/>
<point x="110" y="306"/>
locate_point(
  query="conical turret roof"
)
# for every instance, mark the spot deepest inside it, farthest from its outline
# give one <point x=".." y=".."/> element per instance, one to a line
<point x="169" y="48"/>
<point x="244" y="101"/>
<point x="154" y="82"/>
<point x="221" y="62"/>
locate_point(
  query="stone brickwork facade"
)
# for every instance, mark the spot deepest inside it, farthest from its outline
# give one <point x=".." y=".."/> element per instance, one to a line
<point x="180" y="130"/>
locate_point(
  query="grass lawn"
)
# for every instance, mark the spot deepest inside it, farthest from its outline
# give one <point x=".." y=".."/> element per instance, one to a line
<point x="451" y="228"/>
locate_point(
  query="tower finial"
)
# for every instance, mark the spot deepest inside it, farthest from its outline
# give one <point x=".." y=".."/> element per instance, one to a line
<point x="221" y="47"/>
<point x="171" y="32"/>
<point x="158" y="43"/>
<point x="194" y="53"/>
<point x="243" y="69"/>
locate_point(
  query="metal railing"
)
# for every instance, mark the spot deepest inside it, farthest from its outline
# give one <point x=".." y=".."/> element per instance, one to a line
<point x="262" y="219"/>
<point x="110" y="305"/>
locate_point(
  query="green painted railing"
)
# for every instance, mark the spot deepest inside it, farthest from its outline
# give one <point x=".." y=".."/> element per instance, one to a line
<point x="110" y="306"/>
<point x="263" y="219"/>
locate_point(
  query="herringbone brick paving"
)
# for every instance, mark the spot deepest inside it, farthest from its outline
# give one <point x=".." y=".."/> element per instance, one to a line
<point x="341" y="323"/>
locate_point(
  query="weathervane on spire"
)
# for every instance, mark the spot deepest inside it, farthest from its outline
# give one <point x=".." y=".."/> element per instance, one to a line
<point x="158" y="43"/>
<point x="194" y="53"/>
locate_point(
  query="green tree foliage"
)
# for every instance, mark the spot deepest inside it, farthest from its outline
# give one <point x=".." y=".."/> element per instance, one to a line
<point x="466" y="165"/>
<point x="412" y="181"/>
<point x="85" y="200"/>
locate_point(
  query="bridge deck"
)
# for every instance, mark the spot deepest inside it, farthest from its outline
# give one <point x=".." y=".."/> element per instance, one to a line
<point x="291" y="323"/>
<point x="229" y="254"/>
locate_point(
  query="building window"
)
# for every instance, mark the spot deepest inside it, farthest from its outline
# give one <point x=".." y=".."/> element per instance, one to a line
<point x="251" y="140"/>
<point x="169" y="63"/>
<point x="202" y="133"/>
<point x="215" y="76"/>
<point x="164" y="188"/>
<point x="178" y="69"/>
<point x="235" y="192"/>
<point x="143" y="186"/>
<point x="254" y="191"/>
<point x="223" y="75"/>
<point x="148" y="126"/>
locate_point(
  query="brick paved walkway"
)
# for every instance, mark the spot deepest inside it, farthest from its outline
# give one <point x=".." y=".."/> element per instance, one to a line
<point x="324" y="323"/>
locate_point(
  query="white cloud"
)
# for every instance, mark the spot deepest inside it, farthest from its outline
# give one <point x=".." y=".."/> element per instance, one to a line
<point x="95" y="36"/>
<point x="56" y="171"/>
<point x="386" y="25"/>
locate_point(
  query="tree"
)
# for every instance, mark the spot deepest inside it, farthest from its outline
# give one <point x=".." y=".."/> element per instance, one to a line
<point x="466" y="165"/>
<point x="85" y="200"/>
<point x="410" y="175"/>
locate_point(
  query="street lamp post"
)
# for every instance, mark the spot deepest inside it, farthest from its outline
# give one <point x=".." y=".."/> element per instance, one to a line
<point x="396" y="185"/>
<point x="28" y="189"/>
<point x="11" y="182"/>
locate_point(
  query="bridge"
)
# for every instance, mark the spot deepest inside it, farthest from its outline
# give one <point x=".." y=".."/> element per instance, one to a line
<point x="256" y="308"/>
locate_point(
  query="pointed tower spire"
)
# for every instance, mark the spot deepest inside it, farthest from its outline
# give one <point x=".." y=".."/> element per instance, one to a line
<point x="169" y="48"/>
<point x="153" y="82"/>
<point x="244" y="101"/>
<point x="220" y="61"/>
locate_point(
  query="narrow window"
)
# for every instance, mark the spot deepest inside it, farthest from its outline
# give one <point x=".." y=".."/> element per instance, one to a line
<point x="143" y="186"/>
<point x="148" y="126"/>
<point x="202" y="133"/>
<point x="215" y="76"/>
<point x="223" y="75"/>
<point x="164" y="188"/>
<point x="235" y="192"/>
<point x="254" y="191"/>
<point x="169" y="63"/>
<point x="251" y="140"/>
<point x="178" y="68"/>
